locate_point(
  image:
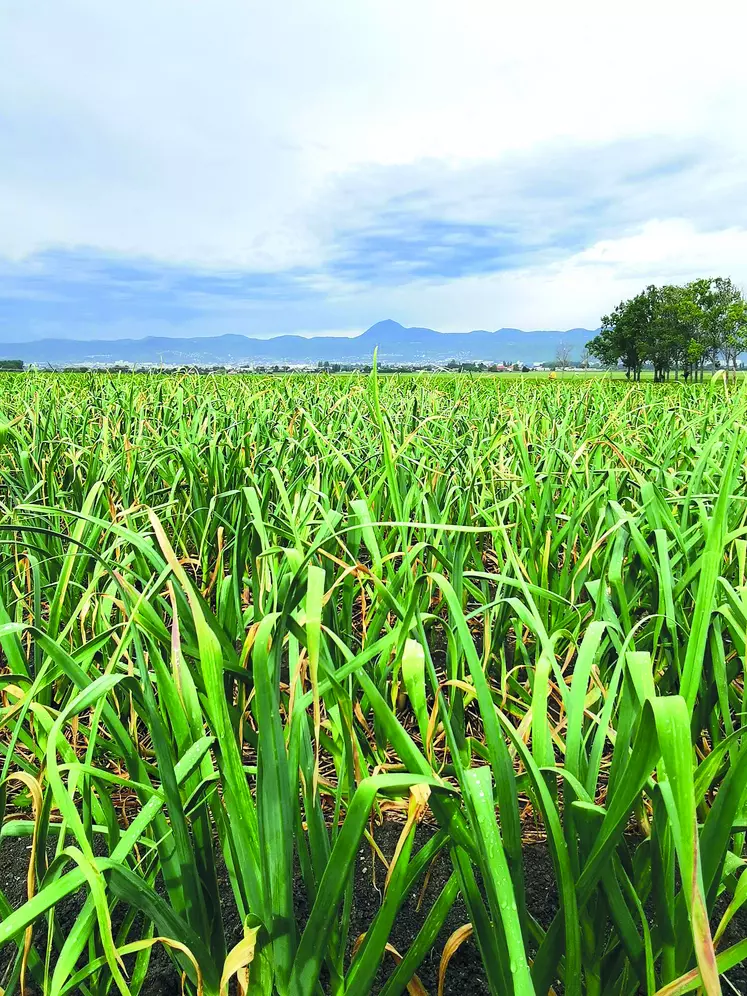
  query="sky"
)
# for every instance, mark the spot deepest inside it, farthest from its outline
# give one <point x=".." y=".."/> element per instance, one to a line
<point x="189" y="168"/>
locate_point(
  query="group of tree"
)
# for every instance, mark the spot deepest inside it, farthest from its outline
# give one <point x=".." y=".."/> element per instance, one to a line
<point x="676" y="328"/>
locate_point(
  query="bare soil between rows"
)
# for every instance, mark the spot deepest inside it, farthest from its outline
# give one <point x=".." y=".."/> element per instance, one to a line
<point x="465" y="975"/>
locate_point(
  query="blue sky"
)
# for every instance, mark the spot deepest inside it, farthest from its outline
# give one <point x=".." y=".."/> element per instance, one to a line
<point x="196" y="169"/>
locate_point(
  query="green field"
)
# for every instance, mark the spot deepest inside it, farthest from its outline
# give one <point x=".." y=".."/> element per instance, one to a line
<point x="245" y="619"/>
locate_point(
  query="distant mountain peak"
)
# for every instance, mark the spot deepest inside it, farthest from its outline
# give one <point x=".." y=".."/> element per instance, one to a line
<point x="385" y="325"/>
<point x="396" y="344"/>
<point x="392" y="332"/>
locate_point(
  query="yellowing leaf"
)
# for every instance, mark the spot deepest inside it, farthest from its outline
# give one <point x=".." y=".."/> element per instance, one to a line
<point x="239" y="958"/>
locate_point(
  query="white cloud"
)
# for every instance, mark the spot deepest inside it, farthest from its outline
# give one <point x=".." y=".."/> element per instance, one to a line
<point x="578" y="290"/>
<point x="234" y="133"/>
<point x="671" y="249"/>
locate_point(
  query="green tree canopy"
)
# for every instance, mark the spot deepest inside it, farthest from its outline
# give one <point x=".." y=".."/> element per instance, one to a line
<point x="675" y="328"/>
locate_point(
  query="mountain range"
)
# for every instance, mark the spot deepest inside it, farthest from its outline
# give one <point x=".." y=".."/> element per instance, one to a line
<point x="396" y="343"/>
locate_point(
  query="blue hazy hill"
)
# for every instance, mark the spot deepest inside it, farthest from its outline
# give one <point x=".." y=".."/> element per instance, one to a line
<point x="396" y="344"/>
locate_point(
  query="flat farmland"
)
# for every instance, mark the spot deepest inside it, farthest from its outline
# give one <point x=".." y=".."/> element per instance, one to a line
<point x="269" y="640"/>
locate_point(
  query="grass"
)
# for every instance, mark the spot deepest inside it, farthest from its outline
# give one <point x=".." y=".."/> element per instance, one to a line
<point x="242" y="616"/>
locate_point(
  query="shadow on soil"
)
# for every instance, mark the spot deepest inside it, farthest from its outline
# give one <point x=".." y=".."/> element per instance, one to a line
<point x="465" y="975"/>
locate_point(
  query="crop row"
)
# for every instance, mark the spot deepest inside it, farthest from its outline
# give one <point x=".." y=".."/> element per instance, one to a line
<point x="243" y="620"/>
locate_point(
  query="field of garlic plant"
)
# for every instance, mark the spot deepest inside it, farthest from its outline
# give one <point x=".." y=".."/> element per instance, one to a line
<point x="245" y="621"/>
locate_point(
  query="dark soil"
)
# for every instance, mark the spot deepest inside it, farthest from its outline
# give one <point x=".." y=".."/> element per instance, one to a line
<point x="465" y="975"/>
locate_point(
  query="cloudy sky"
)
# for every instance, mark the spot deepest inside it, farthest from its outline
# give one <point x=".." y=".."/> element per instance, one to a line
<point x="192" y="168"/>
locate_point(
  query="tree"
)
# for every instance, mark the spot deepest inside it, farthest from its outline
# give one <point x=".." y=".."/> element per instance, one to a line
<point x="658" y="335"/>
<point x="685" y="314"/>
<point x="725" y="304"/>
<point x="675" y="327"/>
<point x="607" y="344"/>
<point x="673" y="317"/>
<point x="563" y="356"/>
<point x="735" y="336"/>
<point x="584" y="359"/>
<point x="715" y="308"/>
<point x="622" y="336"/>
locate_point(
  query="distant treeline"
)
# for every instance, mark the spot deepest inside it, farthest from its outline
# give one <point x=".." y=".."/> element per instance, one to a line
<point x="11" y="364"/>
<point x="323" y="367"/>
<point x="673" y="328"/>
